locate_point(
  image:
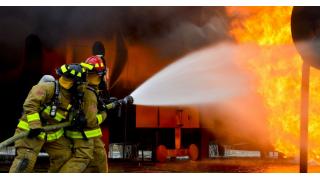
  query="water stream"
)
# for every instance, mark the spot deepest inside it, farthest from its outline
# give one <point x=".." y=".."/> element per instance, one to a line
<point x="208" y="75"/>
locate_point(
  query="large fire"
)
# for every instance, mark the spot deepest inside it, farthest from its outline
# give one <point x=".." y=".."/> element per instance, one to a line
<point x="278" y="70"/>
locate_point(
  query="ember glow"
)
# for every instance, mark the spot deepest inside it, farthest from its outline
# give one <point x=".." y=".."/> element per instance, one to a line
<point x="277" y="68"/>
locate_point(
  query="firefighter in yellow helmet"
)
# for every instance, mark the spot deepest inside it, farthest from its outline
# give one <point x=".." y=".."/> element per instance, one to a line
<point x="47" y="103"/>
<point x="89" y="152"/>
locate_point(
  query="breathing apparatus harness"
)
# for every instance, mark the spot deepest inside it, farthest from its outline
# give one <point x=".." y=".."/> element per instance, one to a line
<point x="76" y="114"/>
<point x="55" y="100"/>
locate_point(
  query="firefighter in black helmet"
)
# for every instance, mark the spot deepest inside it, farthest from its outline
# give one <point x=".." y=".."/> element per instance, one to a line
<point x="89" y="150"/>
<point x="47" y="103"/>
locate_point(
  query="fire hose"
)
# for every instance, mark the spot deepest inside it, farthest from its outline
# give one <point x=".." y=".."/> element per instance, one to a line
<point x="25" y="133"/>
<point x="126" y="100"/>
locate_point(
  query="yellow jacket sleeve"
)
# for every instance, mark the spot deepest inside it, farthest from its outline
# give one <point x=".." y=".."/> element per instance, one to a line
<point x="33" y="103"/>
<point x="90" y="109"/>
<point x="101" y="116"/>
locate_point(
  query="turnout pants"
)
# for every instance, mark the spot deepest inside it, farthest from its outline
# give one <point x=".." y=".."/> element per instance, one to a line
<point x="99" y="164"/>
<point x="28" y="149"/>
<point x="82" y="155"/>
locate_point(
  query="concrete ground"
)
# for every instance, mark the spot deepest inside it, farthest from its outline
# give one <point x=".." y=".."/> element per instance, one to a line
<point x="222" y="165"/>
<point x="213" y="166"/>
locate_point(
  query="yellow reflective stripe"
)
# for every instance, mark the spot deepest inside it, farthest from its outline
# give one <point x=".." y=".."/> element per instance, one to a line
<point x="42" y="135"/>
<point x="69" y="106"/>
<point x="73" y="72"/>
<point x="74" y="134"/>
<point x="79" y="74"/>
<point x="47" y="109"/>
<point x="83" y="70"/>
<point x="59" y="117"/>
<point x="33" y="117"/>
<point x="99" y="117"/>
<point x="51" y="136"/>
<point x="23" y="125"/>
<point x="64" y="69"/>
<point x="88" y="66"/>
<point x="89" y="133"/>
<point x="93" y="133"/>
<point x="96" y="65"/>
<point x="101" y="64"/>
<point x="54" y="136"/>
<point x="110" y="106"/>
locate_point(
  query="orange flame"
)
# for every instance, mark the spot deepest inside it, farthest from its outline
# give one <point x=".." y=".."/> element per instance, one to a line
<point x="278" y="70"/>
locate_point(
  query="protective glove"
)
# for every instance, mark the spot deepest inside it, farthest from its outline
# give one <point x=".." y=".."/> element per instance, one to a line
<point x="34" y="132"/>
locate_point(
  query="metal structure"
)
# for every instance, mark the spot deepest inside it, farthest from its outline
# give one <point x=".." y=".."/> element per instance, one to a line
<point x="162" y="153"/>
<point x="174" y="118"/>
<point x="305" y="28"/>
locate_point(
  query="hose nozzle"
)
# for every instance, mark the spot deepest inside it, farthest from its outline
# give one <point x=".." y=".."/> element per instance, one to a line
<point x="128" y="100"/>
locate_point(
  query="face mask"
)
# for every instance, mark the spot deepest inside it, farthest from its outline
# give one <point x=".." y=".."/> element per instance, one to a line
<point x="94" y="79"/>
<point x="65" y="82"/>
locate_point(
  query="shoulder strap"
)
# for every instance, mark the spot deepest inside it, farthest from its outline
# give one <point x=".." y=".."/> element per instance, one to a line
<point x="93" y="90"/>
<point x="101" y="103"/>
<point x="55" y="99"/>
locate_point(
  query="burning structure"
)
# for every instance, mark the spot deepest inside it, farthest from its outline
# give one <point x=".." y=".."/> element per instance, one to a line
<point x="38" y="39"/>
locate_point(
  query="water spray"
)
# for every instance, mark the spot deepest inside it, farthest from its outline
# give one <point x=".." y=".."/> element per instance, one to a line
<point x="209" y="75"/>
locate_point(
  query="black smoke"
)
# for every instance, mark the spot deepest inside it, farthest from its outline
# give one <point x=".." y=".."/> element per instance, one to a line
<point x="27" y="32"/>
